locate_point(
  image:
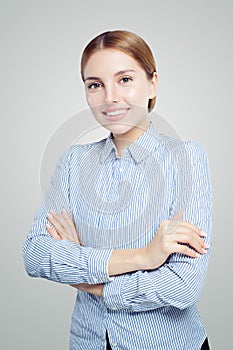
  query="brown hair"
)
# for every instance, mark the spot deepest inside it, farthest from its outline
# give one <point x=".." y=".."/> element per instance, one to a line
<point x="127" y="42"/>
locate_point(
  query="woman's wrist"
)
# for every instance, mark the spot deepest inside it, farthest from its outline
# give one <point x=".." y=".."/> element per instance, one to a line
<point x="126" y="260"/>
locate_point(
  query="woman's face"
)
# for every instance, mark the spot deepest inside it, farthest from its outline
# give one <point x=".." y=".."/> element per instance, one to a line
<point x="117" y="90"/>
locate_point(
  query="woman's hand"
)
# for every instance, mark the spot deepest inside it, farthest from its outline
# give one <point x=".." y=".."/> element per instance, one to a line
<point x="62" y="227"/>
<point x="174" y="236"/>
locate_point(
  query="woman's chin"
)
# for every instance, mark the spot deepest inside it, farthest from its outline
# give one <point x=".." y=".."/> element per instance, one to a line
<point x="118" y="128"/>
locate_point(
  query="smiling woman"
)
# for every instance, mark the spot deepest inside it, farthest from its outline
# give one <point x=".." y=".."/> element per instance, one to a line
<point x="123" y="42"/>
<point x="119" y="91"/>
<point x="134" y="230"/>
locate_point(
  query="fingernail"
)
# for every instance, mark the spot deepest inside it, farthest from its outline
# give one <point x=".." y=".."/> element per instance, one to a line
<point x="204" y="234"/>
<point x="198" y="255"/>
<point x="206" y="245"/>
<point x="49" y="215"/>
<point x="204" y="250"/>
<point x="64" y="211"/>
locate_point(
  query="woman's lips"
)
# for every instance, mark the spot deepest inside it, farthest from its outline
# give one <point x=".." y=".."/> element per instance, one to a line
<point x="115" y="114"/>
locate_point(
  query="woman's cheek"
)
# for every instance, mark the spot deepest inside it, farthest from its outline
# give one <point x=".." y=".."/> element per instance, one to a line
<point x="131" y="94"/>
<point x="94" y="98"/>
<point x="134" y="97"/>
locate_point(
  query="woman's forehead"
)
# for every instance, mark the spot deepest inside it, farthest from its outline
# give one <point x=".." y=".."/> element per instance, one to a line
<point x="110" y="60"/>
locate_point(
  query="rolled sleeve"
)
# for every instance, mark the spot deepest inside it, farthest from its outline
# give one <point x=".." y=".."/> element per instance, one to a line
<point x="66" y="262"/>
<point x="113" y="293"/>
<point x="98" y="266"/>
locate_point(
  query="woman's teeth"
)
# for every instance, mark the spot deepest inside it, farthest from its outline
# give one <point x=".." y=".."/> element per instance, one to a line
<point x="114" y="113"/>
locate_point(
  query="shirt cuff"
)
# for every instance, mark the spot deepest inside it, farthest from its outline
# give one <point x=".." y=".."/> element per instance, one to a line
<point x="112" y="293"/>
<point x="98" y="266"/>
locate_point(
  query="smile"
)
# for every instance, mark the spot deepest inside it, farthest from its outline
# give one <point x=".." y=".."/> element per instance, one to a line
<point x="116" y="114"/>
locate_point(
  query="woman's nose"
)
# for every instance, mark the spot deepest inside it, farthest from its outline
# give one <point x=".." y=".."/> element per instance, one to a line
<point x="111" y="94"/>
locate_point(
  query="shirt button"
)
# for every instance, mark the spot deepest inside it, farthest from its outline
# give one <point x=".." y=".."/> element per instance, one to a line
<point x="121" y="170"/>
<point x="114" y="345"/>
<point x="95" y="279"/>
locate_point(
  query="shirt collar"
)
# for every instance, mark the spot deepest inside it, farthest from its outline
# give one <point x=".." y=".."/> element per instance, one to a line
<point x="109" y="149"/>
<point x="145" y="144"/>
<point x="139" y="149"/>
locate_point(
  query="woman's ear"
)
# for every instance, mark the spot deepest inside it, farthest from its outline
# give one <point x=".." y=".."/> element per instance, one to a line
<point x="153" y="86"/>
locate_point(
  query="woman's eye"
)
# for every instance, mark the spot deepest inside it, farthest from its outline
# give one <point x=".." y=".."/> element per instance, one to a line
<point x="126" y="80"/>
<point x="94" y="86"/>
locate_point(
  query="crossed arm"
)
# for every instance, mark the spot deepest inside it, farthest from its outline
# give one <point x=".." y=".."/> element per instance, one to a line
<point x="166" y="241"/>
<point x="147" y="277"/>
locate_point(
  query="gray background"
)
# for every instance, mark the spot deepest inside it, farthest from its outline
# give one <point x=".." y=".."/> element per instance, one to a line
<point x="41" y="44"/>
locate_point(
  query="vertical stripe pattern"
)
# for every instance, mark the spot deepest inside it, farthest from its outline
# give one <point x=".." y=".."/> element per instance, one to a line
<point x="120" y="203"/>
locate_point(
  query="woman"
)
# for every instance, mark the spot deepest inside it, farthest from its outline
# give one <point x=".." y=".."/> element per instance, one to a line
<point x="127" y="220"/>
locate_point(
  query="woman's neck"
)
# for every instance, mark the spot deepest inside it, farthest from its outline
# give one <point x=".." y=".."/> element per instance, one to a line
<point x="123" y="140"/>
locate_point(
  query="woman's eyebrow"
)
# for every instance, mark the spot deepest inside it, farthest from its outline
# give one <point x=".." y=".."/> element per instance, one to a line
<point x="91" y="78"/>
<point x="115" y="75"/>
<point x="124" y="72"/>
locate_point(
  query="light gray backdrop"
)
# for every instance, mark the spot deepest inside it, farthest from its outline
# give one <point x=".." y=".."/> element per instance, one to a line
<point x="41" y="44"/>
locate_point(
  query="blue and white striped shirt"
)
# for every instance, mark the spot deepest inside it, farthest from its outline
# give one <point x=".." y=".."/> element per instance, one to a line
<point x="120" y="203"/>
